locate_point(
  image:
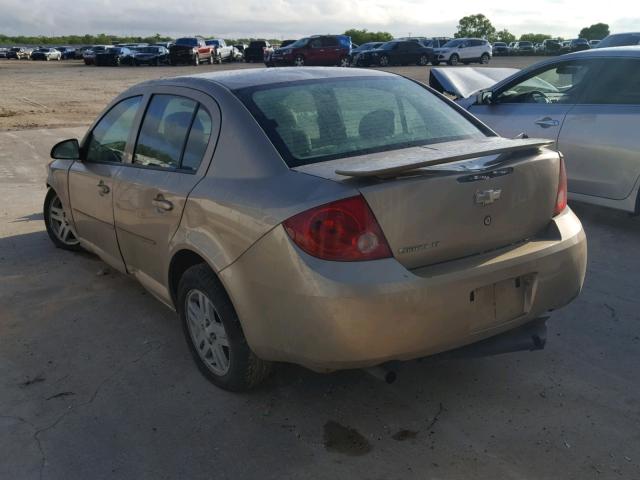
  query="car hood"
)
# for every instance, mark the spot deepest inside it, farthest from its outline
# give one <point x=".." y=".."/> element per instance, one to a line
<point x="463" y="82"/>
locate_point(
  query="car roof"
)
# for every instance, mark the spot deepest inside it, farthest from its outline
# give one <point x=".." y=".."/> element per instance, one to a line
<point x="626" y="51"/>
<point x="237" y="79"/>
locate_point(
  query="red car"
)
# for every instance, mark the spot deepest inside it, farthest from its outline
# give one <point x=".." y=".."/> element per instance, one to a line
<point x="316" y="50"/>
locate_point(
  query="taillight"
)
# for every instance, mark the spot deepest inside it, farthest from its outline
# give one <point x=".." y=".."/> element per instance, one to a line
<point x="561" y="196"/>
<point x="345" y="230"/>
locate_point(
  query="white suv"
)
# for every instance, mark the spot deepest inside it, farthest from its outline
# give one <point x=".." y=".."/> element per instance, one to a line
<point x="465" y="50"/>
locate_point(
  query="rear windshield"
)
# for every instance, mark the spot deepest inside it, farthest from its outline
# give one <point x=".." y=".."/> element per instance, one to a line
<point x="189" y="42"/>
<point x="312" y="121"/>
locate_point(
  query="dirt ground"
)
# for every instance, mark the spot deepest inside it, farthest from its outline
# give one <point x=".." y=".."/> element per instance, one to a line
<point x="96" y="381"/>
<point x="69" y="93"/>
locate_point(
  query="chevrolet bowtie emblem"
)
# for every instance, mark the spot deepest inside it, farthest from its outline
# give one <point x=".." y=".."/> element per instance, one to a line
<point x="487" y="196"/>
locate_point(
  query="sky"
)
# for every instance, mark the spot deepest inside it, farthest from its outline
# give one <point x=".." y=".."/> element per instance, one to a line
<point x="295" y="18"/>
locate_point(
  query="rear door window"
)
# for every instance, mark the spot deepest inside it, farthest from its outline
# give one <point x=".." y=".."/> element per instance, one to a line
<point x="617" y="83"/>
<point x="164" y="131"/>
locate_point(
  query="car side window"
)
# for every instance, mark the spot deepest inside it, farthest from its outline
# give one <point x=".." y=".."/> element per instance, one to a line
<point x="109" y="137"/>
<point x="164" y="131"/>
<point x="330" y="42"/>
<point x="198" y="140"/>
<point x="558" y="83"/>
<point x="315" y="43"/>
<point x="617" y="83"/>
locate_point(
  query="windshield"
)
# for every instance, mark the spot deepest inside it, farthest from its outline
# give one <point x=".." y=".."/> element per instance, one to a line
<point x="620" y="40"/>
<point x="388" y="46"/>
<point x="149" y="49"/>
<point x="215" y="43"/>
<point x="15" y="49"/>
<point x="189" y="42"/>
<point x="453" y="43"/>
<point x="42" y="50"/>
<point x="114" y="50"/>
<point x="312" y="121"/>
<point x="499" y="44"/>
<point x="299" y="43"/>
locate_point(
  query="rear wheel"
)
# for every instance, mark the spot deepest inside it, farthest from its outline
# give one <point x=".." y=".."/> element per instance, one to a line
<point x="299" y="61"/>
<point x="344" y="62"/>
<point x="423" y="60"/>
<point x="454" y="59"/>
<point x="214" y="334"/>
<point x="484" y="59"/>
<point x="57" y="223"/>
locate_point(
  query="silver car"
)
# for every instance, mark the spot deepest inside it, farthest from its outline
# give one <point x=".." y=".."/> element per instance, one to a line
<point x="334" y="218"/>
<point x="587" y="103"/>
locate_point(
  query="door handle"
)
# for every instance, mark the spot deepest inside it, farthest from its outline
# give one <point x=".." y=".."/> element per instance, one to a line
<point x="104" y="188"/>
<point x="547" y="122"/>
<point x="161" y="203"/>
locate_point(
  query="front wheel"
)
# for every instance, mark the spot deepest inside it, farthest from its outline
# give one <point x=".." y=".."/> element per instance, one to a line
<point x="424" y="60"/>
<point x="299" y="61"/>
<point x="196" y="60"/>
<point x="214" y="333"/>
<point x="484" y="59"/>
<point x="384" y="61"/>
<point x="56" y="221"/>
<point x="454" y="59"/>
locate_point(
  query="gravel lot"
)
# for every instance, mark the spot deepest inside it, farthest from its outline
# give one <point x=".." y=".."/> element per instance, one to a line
<point x="69" y="93"/>
<point x="97" y="382"/>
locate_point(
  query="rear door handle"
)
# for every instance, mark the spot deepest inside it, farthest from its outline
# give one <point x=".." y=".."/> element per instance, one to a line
<point x="104" y="188"/>
<point x="161" y="203"/>
<point x="547" y="122"/>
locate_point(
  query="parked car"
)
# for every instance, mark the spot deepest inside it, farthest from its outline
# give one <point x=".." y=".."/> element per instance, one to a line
<point x="68" y="53"/>
<point x="3" y="52"/>
<point x="551" y="47"/>
<point x="523" y="48"/>
<point x="256" y="51"/>
<point x="500" y="49"/>
<point x="19" y="53"/>
<point x="340" y="199"/>
<point x="575" y="45"/>
<point x="221" y="51"/>
<point x="153" y="55"/>
<point x="587" y="103"/>
<point x="511" y="48"/>
<point x="113" y="56"/>
<point x="241" y="47"/>
<point x="162" y="44"/>
<point x="269" y="52"/>
<point x="397" y="52"/>
<point x="620" y="40"/>
<point x="46" y="53"/>
<point x="354" y="58"/>
<point x="465" y="50"/>
<point x="79" y="53"/>
<point x="89" y="56"/>
<point x="191" y="51"/>
<point x="315" y="50"/>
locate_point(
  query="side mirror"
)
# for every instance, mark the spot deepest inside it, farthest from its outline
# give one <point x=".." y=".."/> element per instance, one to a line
<point x="484" y="98"/>
<point x="66" y="150"/>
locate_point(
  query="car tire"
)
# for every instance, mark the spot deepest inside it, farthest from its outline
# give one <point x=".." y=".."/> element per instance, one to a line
<point x="344" y="62"/>
<point x="423" y="60"/>
<point x="218" y="59"/>
<point x="453" y="59"/>
<point x="214" y="334"/>
<point x="299" y="61"/>
<point x="484" y="59"/>
<point x="55" y="221"/>
<point x="384" y="61"/>
<point x="196" y="60"/>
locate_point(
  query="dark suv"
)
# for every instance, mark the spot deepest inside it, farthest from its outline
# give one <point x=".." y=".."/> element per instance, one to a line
<point x="401" y="52"/>
<point x="315" y="50"/>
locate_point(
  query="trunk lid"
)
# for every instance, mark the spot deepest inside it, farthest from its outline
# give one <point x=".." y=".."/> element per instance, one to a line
<point x="452" y="210"/>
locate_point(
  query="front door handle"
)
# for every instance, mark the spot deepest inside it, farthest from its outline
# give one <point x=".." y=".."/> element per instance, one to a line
<point x="161" y="203"/>
<point x="547" y="122"/>
<point x="104" y="188"/>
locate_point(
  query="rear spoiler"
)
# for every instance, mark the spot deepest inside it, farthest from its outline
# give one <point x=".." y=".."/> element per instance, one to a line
<point x="438" y="154"/>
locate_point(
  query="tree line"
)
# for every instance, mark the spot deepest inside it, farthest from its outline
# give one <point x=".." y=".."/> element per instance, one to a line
<point x="470" y="26"/>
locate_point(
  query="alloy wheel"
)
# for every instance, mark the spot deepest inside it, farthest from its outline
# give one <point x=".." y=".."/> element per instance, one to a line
<point x="59" y="223"/>
<point x="299" y="61"/>
<point x="207" y="332"/>
<point x="384" y="61"/>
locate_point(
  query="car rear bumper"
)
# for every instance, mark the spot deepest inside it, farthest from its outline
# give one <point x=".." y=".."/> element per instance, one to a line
<point x="335" y="315"/>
